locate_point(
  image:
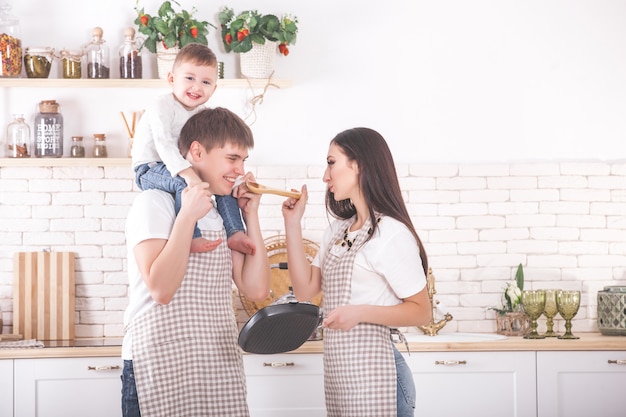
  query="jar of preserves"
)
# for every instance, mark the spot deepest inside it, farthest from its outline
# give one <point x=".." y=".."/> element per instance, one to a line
<point x="72" y="63"/>
<point x="49" y="130"/>
<point x="130" y="56"/>
<point x="38" y="61"/>
<point x="19" y="142"/>
<point x="97" y="53"/>
<point x="10" y="43"/>
<point x="99" y="145"/>
<point x="78" y="149"/>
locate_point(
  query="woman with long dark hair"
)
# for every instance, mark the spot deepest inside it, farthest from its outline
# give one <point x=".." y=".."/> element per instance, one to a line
<point x="372" y="270"/>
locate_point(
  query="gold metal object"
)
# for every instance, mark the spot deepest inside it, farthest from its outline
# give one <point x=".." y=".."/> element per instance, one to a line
<point x="432" y="328"/>
<point x="450" y="363"/>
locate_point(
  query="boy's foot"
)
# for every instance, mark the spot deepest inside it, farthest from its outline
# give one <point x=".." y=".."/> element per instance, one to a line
<point x="200" y="244"/>
<point x="240" y="242"/>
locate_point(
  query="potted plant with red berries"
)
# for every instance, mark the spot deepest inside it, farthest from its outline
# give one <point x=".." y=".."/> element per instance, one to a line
<point x="257" y="37"/>
<point x="169" y="30"/>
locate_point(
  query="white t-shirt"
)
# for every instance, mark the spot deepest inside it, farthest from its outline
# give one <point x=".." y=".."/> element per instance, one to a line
<point x="386" y="269"/>
<point x="156" y="137"/>
<point x="151" y="216"/>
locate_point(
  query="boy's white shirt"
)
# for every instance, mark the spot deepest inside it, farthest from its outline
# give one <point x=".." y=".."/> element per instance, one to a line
<point x="156" y="136"/>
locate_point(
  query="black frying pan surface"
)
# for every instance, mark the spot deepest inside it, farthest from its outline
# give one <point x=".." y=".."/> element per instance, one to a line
<point x="279" y="328"/>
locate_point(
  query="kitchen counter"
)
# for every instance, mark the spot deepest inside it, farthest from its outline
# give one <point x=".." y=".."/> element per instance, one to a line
<point x="112" y="347"/>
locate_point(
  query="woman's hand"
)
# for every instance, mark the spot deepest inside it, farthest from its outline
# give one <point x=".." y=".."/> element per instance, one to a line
<point x="342" y="318"/>
<point x="293" y="209"/>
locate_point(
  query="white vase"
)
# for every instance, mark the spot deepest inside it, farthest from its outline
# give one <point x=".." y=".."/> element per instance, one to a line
<point x="165" y="59"/>
<point x="259" y="61"/>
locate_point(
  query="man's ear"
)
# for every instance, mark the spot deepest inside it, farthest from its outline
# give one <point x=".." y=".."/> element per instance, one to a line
<point x="196" y="150"/>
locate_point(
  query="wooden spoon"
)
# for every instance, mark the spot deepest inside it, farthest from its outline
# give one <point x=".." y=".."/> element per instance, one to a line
<point x="262" y="189"/>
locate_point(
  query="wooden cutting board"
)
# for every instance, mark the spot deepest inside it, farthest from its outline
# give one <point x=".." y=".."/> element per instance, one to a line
<point x="43" y="295"/>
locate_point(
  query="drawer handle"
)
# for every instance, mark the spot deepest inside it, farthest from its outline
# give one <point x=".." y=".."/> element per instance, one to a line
<point x="618" y="361"/>
<point x="103" y="368"/>
<point x="278" y="364"/>
<point x="450" y="363"/>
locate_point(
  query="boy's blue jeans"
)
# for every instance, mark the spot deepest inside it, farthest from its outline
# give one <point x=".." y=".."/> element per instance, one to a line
<point x="156" y="176"/>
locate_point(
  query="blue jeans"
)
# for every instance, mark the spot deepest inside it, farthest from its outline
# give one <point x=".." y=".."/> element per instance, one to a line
<point x="406" y="386"/>
<point x="156" y="176"/>
<point x="130" y="403"/>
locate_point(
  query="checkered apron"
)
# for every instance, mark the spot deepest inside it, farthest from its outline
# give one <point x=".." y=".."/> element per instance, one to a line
<point x="359" y="366"/>
<point x="186" y="359"/>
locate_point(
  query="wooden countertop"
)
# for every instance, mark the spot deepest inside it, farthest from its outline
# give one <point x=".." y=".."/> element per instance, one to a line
<point x="587" y="342"/>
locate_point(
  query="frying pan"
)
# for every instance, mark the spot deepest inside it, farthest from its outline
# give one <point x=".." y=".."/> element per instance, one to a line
<point x="279" y="328"/>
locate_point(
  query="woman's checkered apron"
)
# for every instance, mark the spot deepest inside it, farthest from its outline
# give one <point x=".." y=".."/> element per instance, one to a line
<point x="359" y="366"/>
<point x="185" y="354"/>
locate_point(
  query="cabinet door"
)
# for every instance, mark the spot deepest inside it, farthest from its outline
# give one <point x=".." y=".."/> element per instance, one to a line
<point x="285" y="385"/>
<point x="68" y="387"/>
<point x="486" y="384"/>
<point x="6" y="387"/>
<point x="581" y="384"/>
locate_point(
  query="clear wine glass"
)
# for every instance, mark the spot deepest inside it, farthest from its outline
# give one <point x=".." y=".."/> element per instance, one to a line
<point x="533" y="303"/>
<point x="568" y="303"/>
<point x="550" y="310"/>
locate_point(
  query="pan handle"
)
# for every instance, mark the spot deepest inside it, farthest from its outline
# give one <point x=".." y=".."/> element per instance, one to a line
<point x="278" y="364"/>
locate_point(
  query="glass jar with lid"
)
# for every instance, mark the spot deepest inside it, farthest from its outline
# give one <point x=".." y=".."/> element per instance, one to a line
<point x="72" y="63"/>
<point x="78" y="149"/>
<point x="10" y="43"/>
<point x="49" y="130"/>
<point x="99" y="145"/>
<point x="97" y="53"/>
<point x="38" y="61"/>
<point x="130" y="56"/>
<point x="19" y="142"/>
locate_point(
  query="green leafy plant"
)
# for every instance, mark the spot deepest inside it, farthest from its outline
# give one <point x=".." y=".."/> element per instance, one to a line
<point x="512" y="296"/>
<point x="170" y="27"/>
<point x="240" y="31"/>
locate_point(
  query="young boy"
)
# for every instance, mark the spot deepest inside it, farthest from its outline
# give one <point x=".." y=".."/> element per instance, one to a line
<point x="156" y="159"/>
<point x="180" y="351"/>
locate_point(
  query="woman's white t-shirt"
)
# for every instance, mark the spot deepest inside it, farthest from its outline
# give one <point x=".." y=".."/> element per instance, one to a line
<point x="387" y="268"/>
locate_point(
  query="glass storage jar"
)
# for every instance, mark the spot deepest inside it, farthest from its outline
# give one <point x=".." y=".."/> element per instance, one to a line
<point x="72" y="63"/>
<point x="19" y="142"/>
<point x="130" y="56"/>
<point x="78" y="149"/>
<point x="38" y="61"/>
<point x="97" y="53"/>
<point x="49" y="130"/>
<point x="10" y="43"/>
<point x="99" y="145"/>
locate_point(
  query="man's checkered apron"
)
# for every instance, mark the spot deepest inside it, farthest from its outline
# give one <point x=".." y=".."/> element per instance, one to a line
<point x="185" y="354"/>
<point x="359" y="366"/>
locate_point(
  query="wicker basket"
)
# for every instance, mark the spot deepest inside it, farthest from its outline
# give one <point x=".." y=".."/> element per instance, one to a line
<point x="259" y="61"/>
<point x="165" y="59"/>
<point x="512" y="324"/>
<point x="279" y="279"/>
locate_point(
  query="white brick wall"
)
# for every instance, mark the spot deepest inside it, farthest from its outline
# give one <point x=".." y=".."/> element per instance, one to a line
<point x="566" y="222"/>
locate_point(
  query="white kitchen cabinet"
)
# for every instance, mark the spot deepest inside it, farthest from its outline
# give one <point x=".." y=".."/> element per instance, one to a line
<point x="581" y="384"/>
<point x="68" y="387"/>
<point x="497" y="384"/>
<point x="6" y="387"/>
<point x="285" y="385"/>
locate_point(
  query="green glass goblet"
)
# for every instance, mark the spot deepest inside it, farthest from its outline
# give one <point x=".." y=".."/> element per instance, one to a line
<point x="533" y="303"/>
<point x="568" y="302"/>
<point x="550" y="310"/>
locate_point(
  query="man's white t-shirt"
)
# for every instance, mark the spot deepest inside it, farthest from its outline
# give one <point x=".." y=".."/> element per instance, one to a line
<point x="151" y="216"/>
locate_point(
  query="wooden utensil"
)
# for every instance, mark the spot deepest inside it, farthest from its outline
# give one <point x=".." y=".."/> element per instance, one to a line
<point x="262" y="189"/>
